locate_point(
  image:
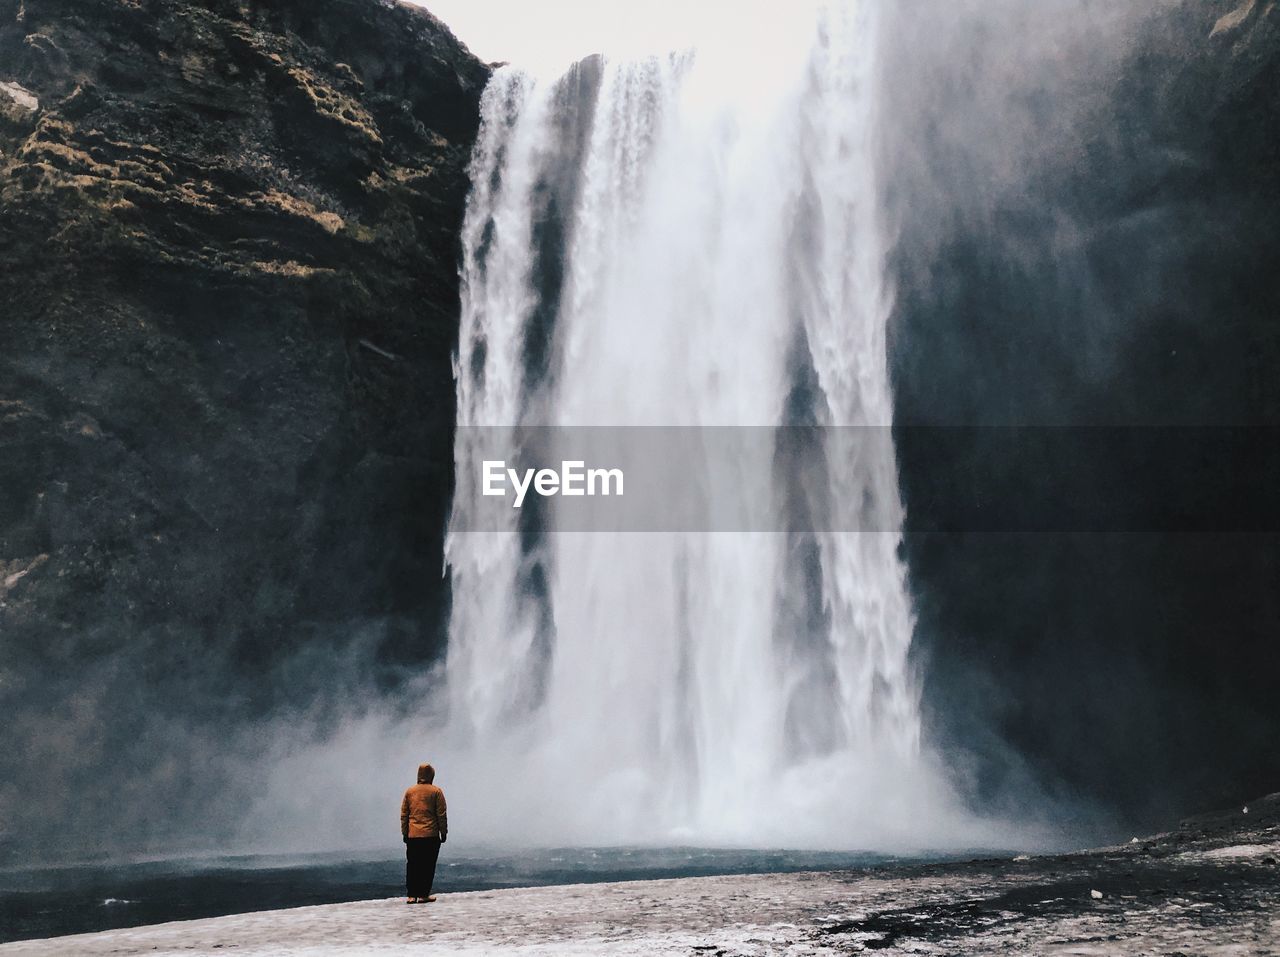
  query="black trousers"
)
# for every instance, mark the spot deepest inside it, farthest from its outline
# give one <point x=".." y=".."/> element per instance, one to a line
<point x="421" y="854"/>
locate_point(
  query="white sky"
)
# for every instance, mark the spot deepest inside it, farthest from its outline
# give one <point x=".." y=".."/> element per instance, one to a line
<point x="548" y="35"/>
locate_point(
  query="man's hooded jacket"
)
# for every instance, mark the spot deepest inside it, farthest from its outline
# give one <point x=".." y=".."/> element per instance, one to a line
<point x="422" y="812"/>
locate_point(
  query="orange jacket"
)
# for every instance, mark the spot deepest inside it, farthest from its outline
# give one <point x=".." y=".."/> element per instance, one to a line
<point x="422" y="812"/>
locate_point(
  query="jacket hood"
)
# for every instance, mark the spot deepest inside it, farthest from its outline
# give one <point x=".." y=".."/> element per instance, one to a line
<point x="426" y="773"/>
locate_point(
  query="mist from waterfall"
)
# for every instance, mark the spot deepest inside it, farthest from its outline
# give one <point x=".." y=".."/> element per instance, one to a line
<point x="689" y="240"/>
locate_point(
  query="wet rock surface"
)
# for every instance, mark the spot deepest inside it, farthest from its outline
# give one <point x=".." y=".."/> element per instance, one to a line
<point x="1089" y="223"/>
<point x="228" y="297"/>
<point x="1210" y="886"/>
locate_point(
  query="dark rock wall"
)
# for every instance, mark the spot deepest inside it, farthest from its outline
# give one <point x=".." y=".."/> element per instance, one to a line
<point x="228" y="299"/>
<point x="1089" y="215"/>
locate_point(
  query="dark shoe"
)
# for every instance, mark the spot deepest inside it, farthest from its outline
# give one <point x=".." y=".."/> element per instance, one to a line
<point x="430" y="900"/>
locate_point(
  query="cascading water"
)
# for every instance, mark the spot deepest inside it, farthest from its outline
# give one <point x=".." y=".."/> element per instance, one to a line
<point x="666" y="242"/>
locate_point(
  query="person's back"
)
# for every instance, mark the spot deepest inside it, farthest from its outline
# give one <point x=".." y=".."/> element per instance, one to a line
<point x="424" y="826"/>
<point x="424" y="811"/>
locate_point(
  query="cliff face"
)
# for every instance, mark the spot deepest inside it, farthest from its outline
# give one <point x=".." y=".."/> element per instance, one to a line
<point x="228" y="297"/>
<point x="1096" y="246"/>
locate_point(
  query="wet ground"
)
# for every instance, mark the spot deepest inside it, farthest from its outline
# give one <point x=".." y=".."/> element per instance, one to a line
<point x="83" y="898"/>
<point x="1209" y="887"/>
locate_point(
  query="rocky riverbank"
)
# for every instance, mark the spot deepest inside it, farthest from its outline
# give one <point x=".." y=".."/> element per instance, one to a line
<point x="1209" y="886"/>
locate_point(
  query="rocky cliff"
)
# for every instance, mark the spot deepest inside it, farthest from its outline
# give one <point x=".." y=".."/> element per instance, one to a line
<point x="1089" y="237"/>
<point x="228" y="299"/>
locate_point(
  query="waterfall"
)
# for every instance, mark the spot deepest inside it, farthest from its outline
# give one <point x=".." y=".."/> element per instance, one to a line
<point x="674" y="242"/>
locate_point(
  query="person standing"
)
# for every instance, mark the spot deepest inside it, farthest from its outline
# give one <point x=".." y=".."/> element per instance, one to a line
<point x="424" y="827"/>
